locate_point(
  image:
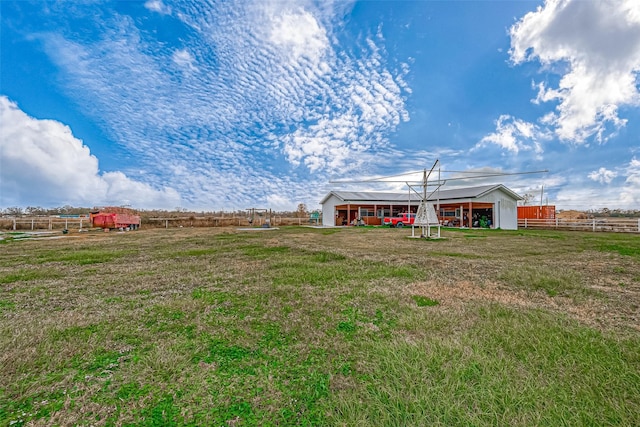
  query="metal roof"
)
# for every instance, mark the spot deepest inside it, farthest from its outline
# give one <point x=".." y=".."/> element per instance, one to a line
<point x="453" y="194"/>
<point x="366" y="196"/>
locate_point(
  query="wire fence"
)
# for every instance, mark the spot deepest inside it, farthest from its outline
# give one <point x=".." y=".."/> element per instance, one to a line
<point x="84" y="223"/>
<point x="621" y="225"/>
<point x="624" y="225"/>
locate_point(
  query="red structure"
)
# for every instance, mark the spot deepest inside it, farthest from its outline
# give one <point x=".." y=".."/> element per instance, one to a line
<point x="115" y="220"/>
<point x="536" y="212"/>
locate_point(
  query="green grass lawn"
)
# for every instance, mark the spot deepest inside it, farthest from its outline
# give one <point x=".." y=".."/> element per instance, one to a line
<point x="304" y="326"/>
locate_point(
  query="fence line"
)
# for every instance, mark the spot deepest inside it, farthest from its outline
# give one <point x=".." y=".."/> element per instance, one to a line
<point x="55" y="223"/>
<point x="628" y="225"/>
<point x="227" y="221"/>
<point x="622" y="225"/>
<point x="43" y="223"/>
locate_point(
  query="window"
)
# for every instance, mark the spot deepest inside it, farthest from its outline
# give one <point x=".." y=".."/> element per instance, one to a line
<point x="366" y="212"/>
<point x="383" y="212"/>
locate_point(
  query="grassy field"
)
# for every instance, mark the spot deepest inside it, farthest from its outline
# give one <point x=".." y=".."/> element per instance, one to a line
<point x="301" y="326"/>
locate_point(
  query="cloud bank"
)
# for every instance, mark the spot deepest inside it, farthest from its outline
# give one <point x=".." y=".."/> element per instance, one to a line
<point x="603" y="176"/>
<point x="42" y="160"/>
<point x="595" y="47"/>
<point x="515" y="135"/>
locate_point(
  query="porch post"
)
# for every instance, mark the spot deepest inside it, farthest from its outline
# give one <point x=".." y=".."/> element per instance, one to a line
<point x="493" y="216"/>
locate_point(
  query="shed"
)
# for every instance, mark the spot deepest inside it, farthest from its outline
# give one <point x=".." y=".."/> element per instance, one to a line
<point x="492" y="205"/>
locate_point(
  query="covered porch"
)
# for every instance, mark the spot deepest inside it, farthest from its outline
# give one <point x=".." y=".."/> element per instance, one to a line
<point x="470" y="215"/>
<point x="370" y="214"/>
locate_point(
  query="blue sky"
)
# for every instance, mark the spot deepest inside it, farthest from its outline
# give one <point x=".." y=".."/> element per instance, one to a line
<point x="231" y="105"/>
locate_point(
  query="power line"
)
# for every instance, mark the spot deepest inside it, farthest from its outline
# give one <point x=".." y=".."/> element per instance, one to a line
<point x="489" y="175"/>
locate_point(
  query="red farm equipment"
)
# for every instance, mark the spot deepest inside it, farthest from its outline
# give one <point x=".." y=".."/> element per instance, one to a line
<point x="115" y="220"/>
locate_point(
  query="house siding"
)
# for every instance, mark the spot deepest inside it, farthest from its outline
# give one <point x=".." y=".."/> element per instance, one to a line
<point x="329" y="211"/>
<point x="502" y="202"/>
<point x="506" y="211"/>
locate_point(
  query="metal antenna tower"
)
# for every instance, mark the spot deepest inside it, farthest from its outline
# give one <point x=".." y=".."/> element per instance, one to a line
<point x="426" y="216"/>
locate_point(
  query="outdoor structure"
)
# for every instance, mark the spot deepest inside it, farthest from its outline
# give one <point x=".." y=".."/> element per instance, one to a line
<point x="262" y="217"/>
<point x="537" y="212"/>
<point x="492" y="206"/>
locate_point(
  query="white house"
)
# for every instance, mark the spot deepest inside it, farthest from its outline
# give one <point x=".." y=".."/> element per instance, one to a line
<point x="495" y="205"/>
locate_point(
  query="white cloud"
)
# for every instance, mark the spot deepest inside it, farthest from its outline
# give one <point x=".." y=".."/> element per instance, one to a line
<point x="596" y="45"/>
<point x="514" y="135"/>
<point x="157" y="6"/>
<point x="300" y="34"/>
<point x="273" y="108"/>
<point x="603" y="176"/>
<point x="339" y="108"/>
<point x="603" y="188"/>
<point x="184" y="59"/>
<point x="630" y="191"/>
<point x="278" y="202"/>
<point x="633" y="173"/>
<point x="42" y="160"/>
<point x="366" y="102"/>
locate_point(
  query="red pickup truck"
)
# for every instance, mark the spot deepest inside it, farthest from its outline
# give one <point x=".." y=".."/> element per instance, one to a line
<point x="400" y="221"/>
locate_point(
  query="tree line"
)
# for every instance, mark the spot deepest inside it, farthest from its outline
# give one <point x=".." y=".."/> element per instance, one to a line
<point x="614" y="213"/>
<point x="16" y="211"/>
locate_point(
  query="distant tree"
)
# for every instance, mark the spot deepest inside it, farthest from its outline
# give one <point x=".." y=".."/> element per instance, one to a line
<point x="302" y="211"/>
<point x="67" y="209"/>
<point x="35" y="210"/>
<point x="528" y="198"/>
<point x="14" y="211"/>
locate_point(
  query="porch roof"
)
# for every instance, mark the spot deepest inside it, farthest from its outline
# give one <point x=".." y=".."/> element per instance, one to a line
<point x="393" y="198"/>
